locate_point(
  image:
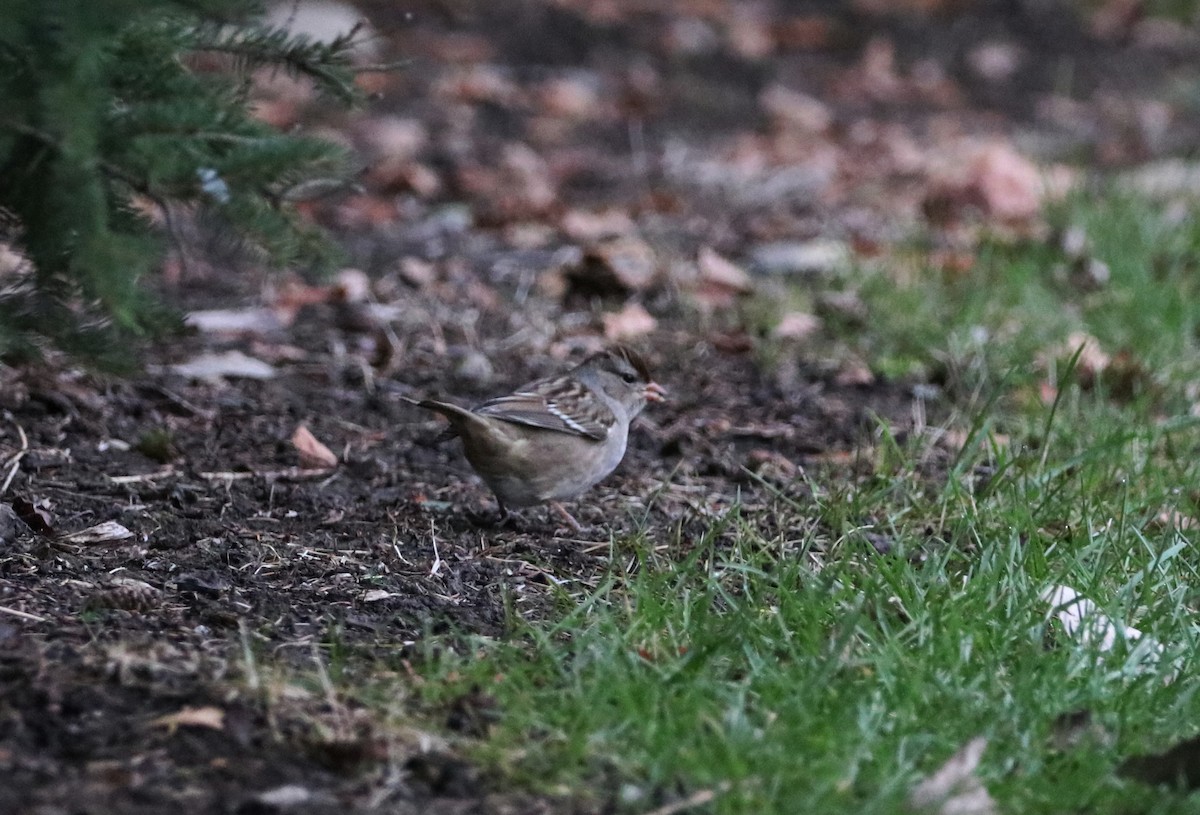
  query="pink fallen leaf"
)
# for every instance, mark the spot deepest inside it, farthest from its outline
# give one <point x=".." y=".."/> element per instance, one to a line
<point x="313" y="454"/>
<point x="1009" y="184"/>
<point x="616" y="266"/>
<point x="792" y="109"/>
<point x="591" y="225"/>
<point x="720" y="281"/>
<point x="631" y="321"/>
<point x="797" y="325"/>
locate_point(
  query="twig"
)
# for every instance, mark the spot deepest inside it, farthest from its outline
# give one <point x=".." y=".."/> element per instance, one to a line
<point x="14" y="463"/>
<point x="287" y="474"/>
<point x="139" y="478"/>
<point x="437" y="558"/>
<point x="22" y="614"/>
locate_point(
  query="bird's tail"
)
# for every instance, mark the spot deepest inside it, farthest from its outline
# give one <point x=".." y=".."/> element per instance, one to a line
<point x="453" y="413"/>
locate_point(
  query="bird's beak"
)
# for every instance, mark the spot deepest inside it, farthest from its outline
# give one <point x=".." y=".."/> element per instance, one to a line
<point x="654" y="392"/>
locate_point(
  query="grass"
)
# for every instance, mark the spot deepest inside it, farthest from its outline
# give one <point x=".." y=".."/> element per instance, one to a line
<point x="809" y="673"/>
<point x="781" y="663"/>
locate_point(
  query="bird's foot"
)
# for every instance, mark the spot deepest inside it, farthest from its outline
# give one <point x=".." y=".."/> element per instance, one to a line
<point x="502" y="519"/>
<point x="576" y="527"/>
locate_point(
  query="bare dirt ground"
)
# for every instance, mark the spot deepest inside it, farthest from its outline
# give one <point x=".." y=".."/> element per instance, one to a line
<point x="519" y="173"/>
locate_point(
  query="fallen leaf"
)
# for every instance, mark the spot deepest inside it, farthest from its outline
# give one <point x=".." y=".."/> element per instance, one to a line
<point x="955" y="789"/>
<point x="805" y="32"/>
<point x="1092" y="359"/>
<point x="571" y="97"/>
<point x="213" y="367"/>
<point x="631" y="321"/>
<point x="854" y="373"/>
<point x="720" y="281"/>
<point x="793" y="109"/>
<point x="734" y="341"/>
<point x="588" y="226"/>
<point x="393" y="137"/>
<point x="375" y="595"/>
<point x="1174" y="519"/>
<point x="238" y="321"/>
<point x="796" y="325"/>
<point x="846" y="306"/>
<point x="1009" y="184"/>
<point x="995" y="60"/>
<point x="210" y="717"/>
<point x="100" y="533"/>
<point x="618" y="266"/>
<point x="417" y="272"/>
<point x="749" y="33"/>
<point x="313" y="454"/>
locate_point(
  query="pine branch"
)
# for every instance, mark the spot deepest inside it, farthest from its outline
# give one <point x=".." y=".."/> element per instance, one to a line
<point x="326" y="63"/>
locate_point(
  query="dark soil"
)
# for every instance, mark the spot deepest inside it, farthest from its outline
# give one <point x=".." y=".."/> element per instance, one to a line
<point x="245" y="562"/>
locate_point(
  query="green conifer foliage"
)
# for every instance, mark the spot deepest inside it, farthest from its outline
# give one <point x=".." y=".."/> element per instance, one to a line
<point x="102" y="106"/>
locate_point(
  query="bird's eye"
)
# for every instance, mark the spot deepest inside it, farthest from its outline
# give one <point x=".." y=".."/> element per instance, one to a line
<point x="628" y="375"/>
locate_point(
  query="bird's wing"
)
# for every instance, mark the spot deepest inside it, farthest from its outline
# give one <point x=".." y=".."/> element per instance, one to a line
<point x="562" y="405"/>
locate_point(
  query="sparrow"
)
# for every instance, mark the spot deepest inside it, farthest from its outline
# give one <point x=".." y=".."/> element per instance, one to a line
<point x="554" y="438"/>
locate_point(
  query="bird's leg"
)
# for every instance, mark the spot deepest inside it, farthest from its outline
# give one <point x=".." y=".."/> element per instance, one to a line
<point x="566" y="516"/>
<point x="505" y="518"/>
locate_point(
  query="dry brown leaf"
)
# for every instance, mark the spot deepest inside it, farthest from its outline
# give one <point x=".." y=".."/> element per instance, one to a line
<point x="995" y="60"/>
<point x="393" y="138"/>
<point x="631" y="321"/>
<point x="100" y="533"/>
<point x="954" y="439"/>
<point x="313" y="454"/>
<point x="749" y="33"/>
<point x="793" y="109"/>
<point x="720" y="281"/>
<point x="1174" y="519"/>
<point x="854" y="373"/>
<point x="571" y="97"/>
<point x="805" y="32"/>
<point x="797" y="325"/>
<point x="617" y="266"/>
<point x="588" y="226"/>
<point x="1009" y="184"/>
<point x="417" y="272"/>
<point x="479" y="83"/>
<point x="955" y="789"/>
<point x="210" y="717"/>
<point x="1092" y="360"/>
